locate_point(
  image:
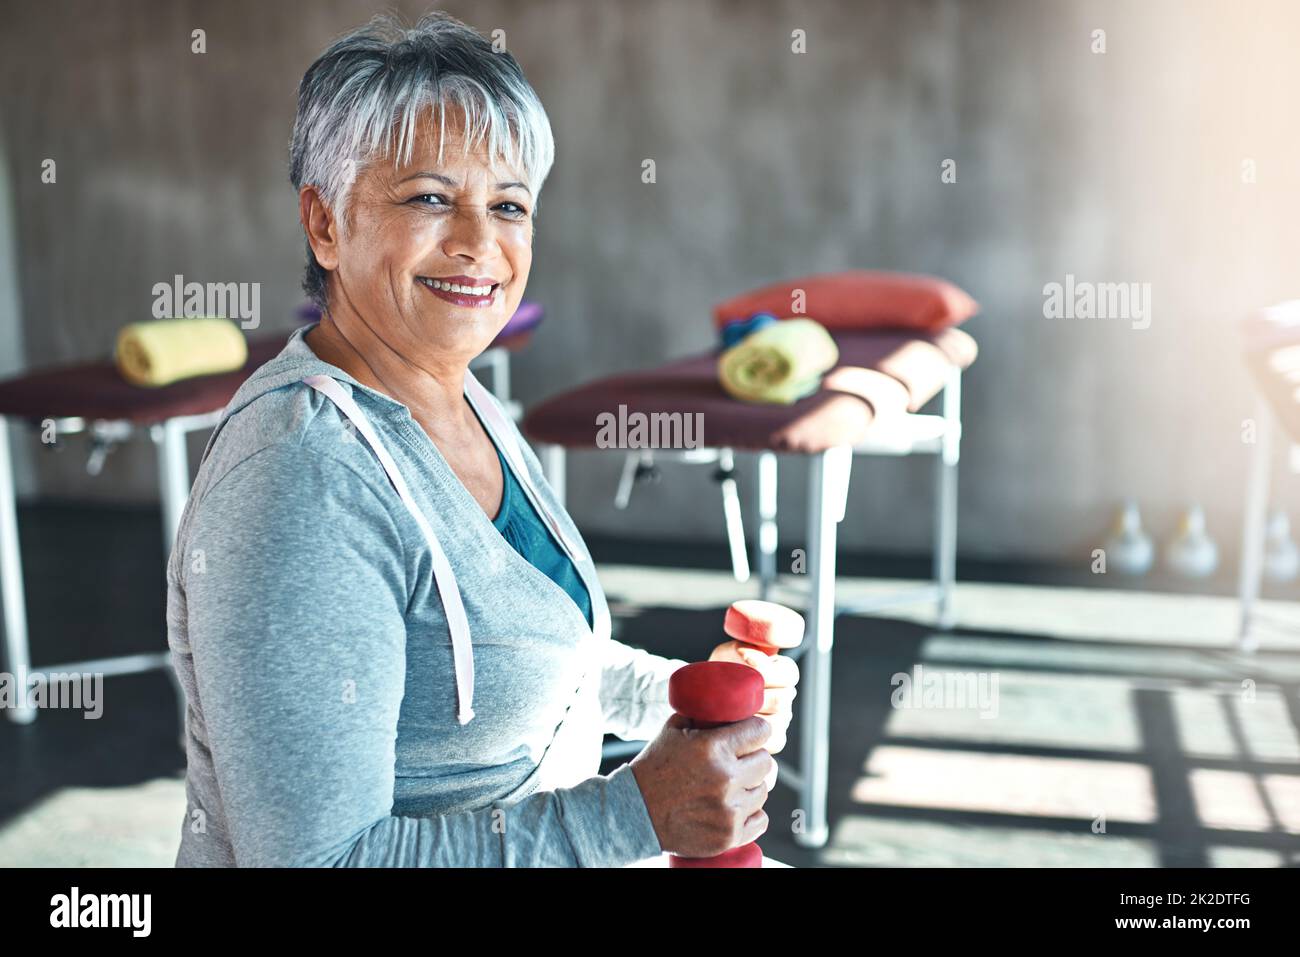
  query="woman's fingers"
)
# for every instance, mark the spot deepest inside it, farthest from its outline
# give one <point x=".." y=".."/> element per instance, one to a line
<point x="780" y="675"/>
<point x="755" y="827"/>
<point x="780" y="726"/>
<point x="778" y="671"/>
<point x="752" y="801"/>
<point x="777" y="700"/>
<point x="728" y="651"/>
<point x="752" y="769"/>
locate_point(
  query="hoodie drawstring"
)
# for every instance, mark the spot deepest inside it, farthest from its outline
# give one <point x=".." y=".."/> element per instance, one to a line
<point x="444" y="577"/>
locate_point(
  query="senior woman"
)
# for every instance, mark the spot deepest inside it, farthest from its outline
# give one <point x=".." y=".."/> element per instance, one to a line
<point x="392" y="640"/>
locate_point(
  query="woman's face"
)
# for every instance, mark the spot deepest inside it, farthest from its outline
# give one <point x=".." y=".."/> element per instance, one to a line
<point x="426" y="222"/>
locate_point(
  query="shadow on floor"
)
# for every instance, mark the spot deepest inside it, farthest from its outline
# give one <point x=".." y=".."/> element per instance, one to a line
<point x="1144" y="763"/>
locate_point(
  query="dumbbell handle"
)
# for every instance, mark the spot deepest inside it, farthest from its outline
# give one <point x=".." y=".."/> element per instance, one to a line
<point x="714" y="693"/>
<point x="745" y="855"/>
<point x="711" y="694"/>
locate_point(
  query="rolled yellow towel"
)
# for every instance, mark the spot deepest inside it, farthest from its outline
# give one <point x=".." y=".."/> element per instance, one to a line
<point x="779" y="364"/>
<point x="164" y="351"/>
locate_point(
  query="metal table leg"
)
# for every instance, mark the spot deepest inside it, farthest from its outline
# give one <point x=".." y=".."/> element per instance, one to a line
<point x="174" y="481"/>
<point x="735" y="523"/>
<point x="767" y="527"/>
<point x="627" y="479"/>
<point x="1252" y="536"/>
<point x="173" y="476"/>
<point x="17" y="655"/>
<point x="174" y="484"/>
<point x="945" y="524"/>
<point x="828" y="483"/>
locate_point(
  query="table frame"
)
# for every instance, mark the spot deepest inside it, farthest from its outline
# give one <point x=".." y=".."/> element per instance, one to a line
<point x="169" y="440"/>
<point x="827" y="498"/>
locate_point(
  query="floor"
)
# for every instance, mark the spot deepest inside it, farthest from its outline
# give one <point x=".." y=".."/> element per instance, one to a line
<point x="1110" y="726"/>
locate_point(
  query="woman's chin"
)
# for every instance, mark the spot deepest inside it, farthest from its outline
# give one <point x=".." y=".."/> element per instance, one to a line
<point x="463" y="331"/>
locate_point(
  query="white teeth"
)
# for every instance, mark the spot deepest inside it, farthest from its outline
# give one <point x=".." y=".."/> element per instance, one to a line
<point x="456" y="287"/>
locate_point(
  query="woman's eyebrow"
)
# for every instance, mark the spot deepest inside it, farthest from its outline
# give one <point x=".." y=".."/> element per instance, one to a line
<point x="447" y="180"/>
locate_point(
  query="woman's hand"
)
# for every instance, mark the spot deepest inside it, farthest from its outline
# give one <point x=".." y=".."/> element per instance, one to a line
<point x="705" y="787"/>
<point x="780" y="675"/>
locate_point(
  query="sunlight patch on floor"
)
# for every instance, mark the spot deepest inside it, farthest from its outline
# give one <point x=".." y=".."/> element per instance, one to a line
<point x="1032" y="709"/>
<point x="99" y="827"/>
<point x="1253" y="726"/>
<point x="1238" y="801"/>
<point x="1011" y="784"/>
<point x="882" y="841"/>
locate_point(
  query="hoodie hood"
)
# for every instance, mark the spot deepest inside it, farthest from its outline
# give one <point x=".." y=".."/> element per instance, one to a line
<point x="291" y="365"/>
<point x="295" y="362"/>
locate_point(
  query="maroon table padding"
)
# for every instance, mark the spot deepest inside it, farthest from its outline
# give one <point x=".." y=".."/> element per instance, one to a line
<point x="96" y="390"/>
<point x="879" y="374"/>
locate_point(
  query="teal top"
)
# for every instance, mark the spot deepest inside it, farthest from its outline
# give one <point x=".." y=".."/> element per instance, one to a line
<point x="524" y="529"/>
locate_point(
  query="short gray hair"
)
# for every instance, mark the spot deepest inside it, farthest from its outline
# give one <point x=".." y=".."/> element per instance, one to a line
<point x="362" y="97"/>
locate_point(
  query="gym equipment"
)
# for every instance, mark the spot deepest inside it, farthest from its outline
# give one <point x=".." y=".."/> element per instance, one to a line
<point x="714" y="693"/>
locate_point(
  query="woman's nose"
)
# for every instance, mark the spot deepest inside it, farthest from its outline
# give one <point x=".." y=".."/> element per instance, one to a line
<point x="470" y="234"/>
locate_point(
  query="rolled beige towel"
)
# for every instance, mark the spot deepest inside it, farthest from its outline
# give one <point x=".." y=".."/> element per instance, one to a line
<point x="780" y="364"/>
<point x="164" y="351"/>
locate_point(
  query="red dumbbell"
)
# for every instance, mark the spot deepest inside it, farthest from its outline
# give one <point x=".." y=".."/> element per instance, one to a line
<point x="714" y="693"/>
<point x="765" y="625"/>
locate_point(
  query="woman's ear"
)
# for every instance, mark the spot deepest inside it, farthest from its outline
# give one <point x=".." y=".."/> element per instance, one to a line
<point x="320" y="226"/>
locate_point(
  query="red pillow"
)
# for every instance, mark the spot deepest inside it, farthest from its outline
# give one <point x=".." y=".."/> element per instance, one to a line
<point x="858" y="299"/>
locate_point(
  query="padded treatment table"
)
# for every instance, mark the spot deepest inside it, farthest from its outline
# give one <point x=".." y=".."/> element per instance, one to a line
<point x="869" y="404"/>
<point x="93" y="398"/>
<point x="880" y="376"/>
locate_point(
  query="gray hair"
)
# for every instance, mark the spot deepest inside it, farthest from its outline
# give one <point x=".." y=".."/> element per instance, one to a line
<point x="362" y="97"/>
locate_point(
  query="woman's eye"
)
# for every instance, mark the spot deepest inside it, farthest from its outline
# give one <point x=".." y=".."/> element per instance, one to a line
<point x="513" y="210"/>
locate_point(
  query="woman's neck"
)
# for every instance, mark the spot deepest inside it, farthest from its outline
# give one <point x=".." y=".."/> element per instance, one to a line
<point x="435" y="396"/>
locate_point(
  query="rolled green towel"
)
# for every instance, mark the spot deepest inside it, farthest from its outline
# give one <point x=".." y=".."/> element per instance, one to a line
<point x="779" y="364"/>
<point x="164" y="351"/>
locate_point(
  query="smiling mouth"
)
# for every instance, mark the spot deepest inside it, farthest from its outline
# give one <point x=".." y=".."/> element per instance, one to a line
<point x="473" y="296"/>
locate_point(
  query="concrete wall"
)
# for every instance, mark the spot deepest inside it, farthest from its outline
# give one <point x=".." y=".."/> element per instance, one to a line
<point x="12" y="353"/>
<point x="1120" y="166"/>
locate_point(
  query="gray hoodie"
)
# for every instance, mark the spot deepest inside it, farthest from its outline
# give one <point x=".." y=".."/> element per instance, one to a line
<point x="307" y="628"/>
